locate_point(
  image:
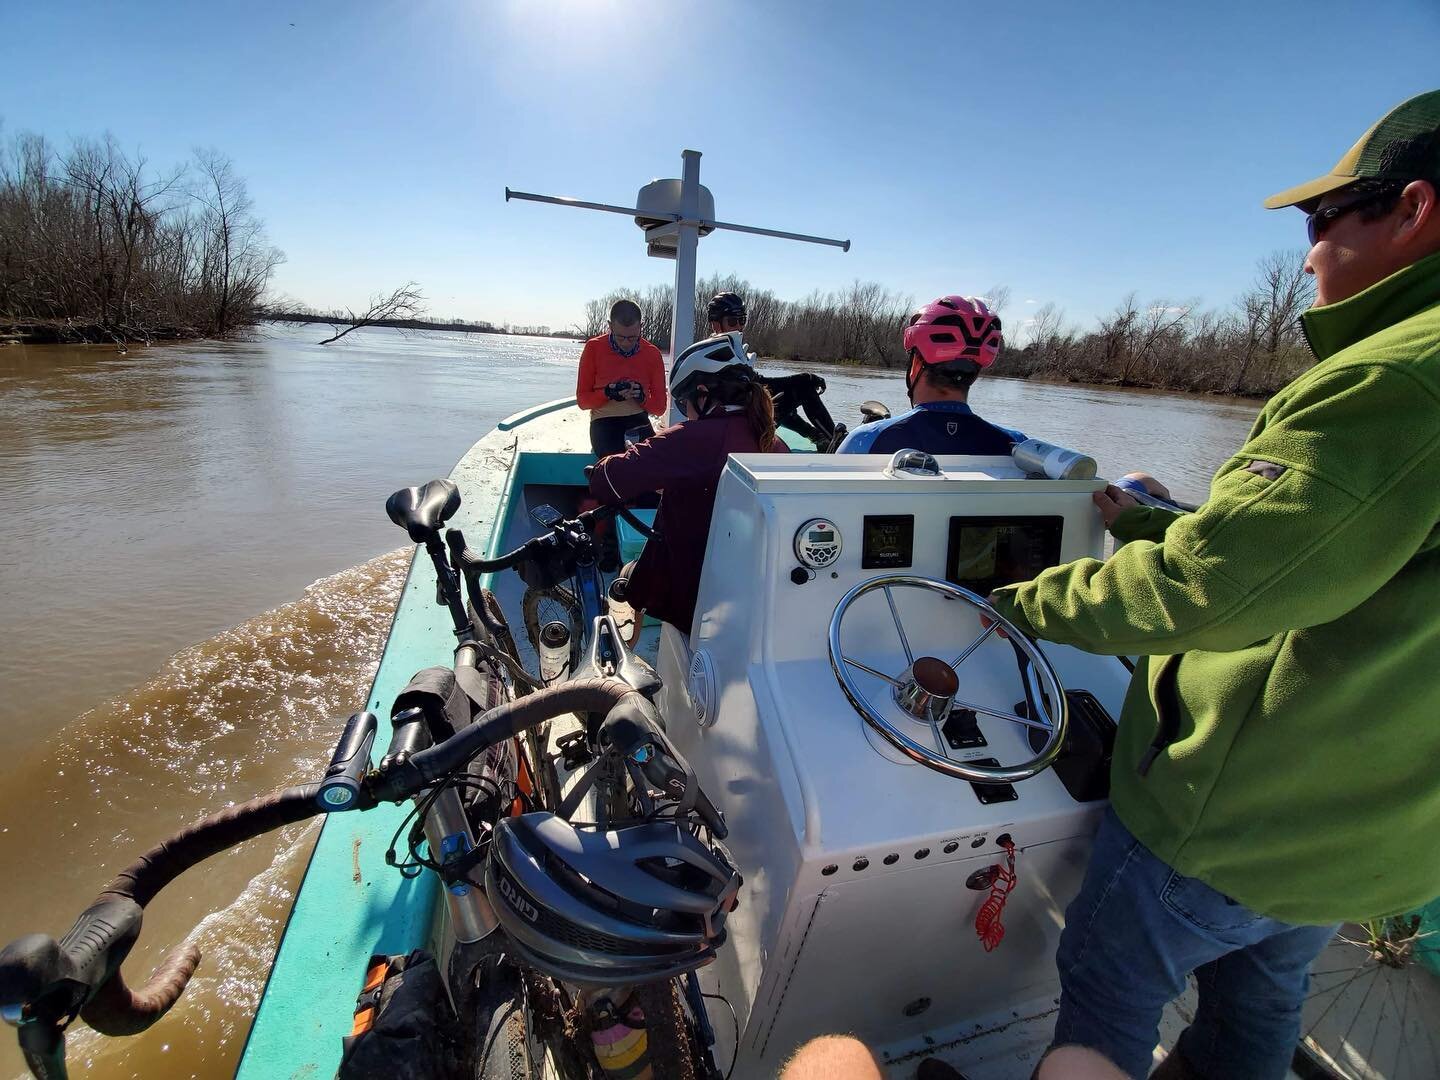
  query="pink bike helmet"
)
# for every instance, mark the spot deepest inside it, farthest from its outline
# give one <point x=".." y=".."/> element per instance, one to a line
<point x="954" y="328"/>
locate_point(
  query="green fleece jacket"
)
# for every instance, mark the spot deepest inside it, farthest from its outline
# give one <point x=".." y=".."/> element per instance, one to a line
<point x="1280" y="739"/>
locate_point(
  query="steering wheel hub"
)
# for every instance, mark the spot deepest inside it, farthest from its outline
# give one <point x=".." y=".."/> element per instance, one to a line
<point x="926" y="689"/>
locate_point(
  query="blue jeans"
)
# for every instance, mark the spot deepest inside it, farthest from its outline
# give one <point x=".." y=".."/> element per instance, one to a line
<point x="1133" y="934"/>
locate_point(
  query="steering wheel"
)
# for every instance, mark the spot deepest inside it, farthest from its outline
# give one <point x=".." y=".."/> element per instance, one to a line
<point x="926" y="689"/>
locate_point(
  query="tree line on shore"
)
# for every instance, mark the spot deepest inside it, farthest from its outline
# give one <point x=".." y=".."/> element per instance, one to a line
<point x="1252" y="347"/>
<point x="97" y="244"/>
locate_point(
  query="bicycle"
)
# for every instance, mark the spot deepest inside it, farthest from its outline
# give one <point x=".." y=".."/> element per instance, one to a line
<point x="458" y="756"/>
<point x="565" y="587"/>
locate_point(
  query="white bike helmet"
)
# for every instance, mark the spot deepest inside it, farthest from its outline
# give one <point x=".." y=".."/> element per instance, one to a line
<point x="709" y="363"/>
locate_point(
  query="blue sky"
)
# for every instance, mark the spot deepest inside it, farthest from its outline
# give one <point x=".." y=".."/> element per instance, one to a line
<point x="1072" y="151"/>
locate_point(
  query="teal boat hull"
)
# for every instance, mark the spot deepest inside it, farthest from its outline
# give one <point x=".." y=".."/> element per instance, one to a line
<point x="350" y="904"/>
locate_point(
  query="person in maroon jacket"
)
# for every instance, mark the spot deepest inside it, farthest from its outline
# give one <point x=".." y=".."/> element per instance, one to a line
<point x="727" y="412"/>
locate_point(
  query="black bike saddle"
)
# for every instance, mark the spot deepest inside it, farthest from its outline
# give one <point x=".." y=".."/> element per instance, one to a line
<point x="420" y="511"/>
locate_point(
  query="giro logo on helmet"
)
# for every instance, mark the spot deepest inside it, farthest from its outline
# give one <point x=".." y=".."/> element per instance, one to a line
<point x="522" y="906"/>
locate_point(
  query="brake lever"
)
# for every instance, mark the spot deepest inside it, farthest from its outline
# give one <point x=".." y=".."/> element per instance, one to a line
<point x="640" y="742"/>
<point x="665" y="773"/>
<point x="43" y="1046"/>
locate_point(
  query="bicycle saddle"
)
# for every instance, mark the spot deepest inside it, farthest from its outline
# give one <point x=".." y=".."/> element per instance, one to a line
<point x="420" y="511"/>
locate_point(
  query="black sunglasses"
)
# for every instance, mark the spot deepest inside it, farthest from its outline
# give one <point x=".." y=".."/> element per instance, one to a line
<point x="1317" y="223"/>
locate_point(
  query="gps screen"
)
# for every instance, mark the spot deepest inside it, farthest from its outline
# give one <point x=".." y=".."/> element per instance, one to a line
<point x="988" y="552"/>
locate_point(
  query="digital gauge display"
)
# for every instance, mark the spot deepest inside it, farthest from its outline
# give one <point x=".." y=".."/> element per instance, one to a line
<point x="988" y="552"/>
<point x="817" y="543"/>
<point x="889" y="541"/>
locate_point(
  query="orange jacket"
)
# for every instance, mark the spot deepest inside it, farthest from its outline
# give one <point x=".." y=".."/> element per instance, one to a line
<point x="601" y="365"/>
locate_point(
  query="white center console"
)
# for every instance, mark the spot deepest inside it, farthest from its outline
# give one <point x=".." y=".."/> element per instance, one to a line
<point x="863" y="870"/>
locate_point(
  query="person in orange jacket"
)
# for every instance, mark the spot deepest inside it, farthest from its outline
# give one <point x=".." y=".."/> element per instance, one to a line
<point x="621" y="379"/>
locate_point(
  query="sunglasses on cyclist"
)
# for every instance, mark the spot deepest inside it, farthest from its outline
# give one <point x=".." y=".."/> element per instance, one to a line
<point x="1317" y="223"/>
<point x="732" y="322"/>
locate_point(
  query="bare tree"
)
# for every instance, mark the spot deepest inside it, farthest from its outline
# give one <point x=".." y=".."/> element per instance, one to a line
<point x="406" y="302"/>
<point x="1045" y="325"/>
<point x="236" y="259"/>
<point x="1160" y="321"/>
<point x="997" y="299"/>
<point x="104" y="246"/>
<point x="1270" y="311"/>
<point x="1118" y="328"/>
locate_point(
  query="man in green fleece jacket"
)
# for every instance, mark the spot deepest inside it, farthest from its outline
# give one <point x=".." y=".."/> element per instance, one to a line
<point x="1278" y="763"/>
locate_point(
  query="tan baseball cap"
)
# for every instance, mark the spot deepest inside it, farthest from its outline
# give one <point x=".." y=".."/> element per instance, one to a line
<point x="1403" y="145"/>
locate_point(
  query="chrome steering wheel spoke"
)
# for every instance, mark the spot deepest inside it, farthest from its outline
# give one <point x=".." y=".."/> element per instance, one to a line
<point x="899" y="627"/>
<point x="870" y="670"/>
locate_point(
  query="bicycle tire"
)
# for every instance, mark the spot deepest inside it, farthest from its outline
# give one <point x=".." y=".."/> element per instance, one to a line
<point x="1366" y="1019"/>
<point x="504" y="639"/>
<point x="542" y="605"/>
<point x="667" y="1031"/>
<point x="503" y="1050"/>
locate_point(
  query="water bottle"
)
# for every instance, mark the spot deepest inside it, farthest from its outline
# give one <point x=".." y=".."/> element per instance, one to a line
<point x="554" y="650"/>
<point x="1038" y="458"/>
<point x="621" y="610"/>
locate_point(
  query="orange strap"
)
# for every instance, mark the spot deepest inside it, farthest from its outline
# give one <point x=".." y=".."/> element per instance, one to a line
<point x="369" y="1003"/>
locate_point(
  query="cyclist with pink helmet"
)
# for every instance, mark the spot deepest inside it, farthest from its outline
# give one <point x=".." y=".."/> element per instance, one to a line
<point x="948" y="342"/>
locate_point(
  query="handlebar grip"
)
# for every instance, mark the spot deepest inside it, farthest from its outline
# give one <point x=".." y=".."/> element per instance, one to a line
<point x="100" y="940"/>
<point x="117" y="1010"/>
<point x="340" y="789"/>
<point x="468" y="561"/>
<point x="55" y="979"/>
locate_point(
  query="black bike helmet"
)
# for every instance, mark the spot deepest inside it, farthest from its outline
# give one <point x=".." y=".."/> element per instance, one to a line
<point x="632" y="905"/>
<point x="726" y="303"/>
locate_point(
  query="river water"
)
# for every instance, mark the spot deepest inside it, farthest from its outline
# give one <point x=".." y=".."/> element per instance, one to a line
<point x="198" y="576"/>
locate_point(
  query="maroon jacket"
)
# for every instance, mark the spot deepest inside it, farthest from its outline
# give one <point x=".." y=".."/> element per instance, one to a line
<point x="684" y="462"/>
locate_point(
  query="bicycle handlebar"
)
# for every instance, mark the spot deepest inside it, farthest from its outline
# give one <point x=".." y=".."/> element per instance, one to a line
<point x="469" y="562"/>
<point x="500" y="723"/>
<point x="45" y="984"/>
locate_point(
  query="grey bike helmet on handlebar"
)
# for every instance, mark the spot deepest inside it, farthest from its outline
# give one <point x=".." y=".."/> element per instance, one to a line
<point x="631" y="905"/>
